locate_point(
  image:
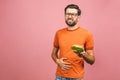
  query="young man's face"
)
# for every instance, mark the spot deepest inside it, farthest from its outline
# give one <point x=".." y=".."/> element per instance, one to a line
<point x="71" y="17"/>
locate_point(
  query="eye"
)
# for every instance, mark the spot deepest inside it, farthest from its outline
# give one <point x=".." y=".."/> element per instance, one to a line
<point x="71" y="14"/>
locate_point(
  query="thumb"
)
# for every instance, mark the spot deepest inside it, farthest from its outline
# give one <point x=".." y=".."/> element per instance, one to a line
<point x="63" y="58"/>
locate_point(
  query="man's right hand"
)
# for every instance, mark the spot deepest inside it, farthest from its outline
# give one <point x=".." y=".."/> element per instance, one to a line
<point x="64" y="65"/>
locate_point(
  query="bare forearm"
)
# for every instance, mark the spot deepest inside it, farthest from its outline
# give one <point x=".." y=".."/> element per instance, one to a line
<point x="88" y="58"/>
<point x="54" y="57"/>
<point x="54" y="54"/>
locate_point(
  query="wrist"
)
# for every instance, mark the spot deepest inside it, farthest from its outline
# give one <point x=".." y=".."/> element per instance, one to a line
<point x="57" y="61"/>
<point x="82" y="54"/>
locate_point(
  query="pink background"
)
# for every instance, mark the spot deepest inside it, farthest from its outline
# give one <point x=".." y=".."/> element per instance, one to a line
<point x="27" y="28"/>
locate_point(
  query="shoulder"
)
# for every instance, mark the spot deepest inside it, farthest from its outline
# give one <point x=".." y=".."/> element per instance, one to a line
<point x="61" y="30"/>
<point x="88" y="32"/>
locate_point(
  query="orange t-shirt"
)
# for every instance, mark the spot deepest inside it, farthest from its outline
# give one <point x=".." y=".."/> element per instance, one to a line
<point x="64" y="39"/>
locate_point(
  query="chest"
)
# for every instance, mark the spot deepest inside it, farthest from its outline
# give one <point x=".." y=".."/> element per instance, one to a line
<point x="70" y="38"/>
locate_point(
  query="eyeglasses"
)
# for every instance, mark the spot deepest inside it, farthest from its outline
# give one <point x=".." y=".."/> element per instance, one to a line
<point x="71" y="14"/>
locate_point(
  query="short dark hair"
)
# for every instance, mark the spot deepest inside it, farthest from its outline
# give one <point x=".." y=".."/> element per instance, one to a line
<point x="74" y="7"/>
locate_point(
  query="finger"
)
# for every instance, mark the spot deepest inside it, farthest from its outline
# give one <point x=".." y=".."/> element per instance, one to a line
<point x="63" y="68"/>
<point x="63" y="58"/>
<point x="66" y="63"/>
<point x="66" y="67"/>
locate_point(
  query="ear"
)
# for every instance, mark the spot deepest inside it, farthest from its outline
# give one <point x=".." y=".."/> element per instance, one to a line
<point x="78" y="18"/>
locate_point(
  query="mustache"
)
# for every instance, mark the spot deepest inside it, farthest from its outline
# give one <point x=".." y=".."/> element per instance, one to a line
<point x="69" y="18"/>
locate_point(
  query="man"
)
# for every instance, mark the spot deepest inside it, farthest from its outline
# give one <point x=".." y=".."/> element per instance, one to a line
<point x="70" y="64"/>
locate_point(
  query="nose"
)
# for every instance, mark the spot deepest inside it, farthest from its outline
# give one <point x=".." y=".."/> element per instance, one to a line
<point x="70" y="16"/>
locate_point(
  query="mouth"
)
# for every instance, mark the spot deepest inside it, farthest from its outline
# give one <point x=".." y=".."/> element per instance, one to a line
<point x="70" y="20"/>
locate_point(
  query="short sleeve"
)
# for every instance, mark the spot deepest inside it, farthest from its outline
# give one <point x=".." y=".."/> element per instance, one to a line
<point x="89" y="44"/>
<point x="56" y="41"/>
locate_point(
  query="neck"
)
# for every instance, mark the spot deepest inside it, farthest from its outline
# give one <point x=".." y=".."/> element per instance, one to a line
<point x="73" y="27"/>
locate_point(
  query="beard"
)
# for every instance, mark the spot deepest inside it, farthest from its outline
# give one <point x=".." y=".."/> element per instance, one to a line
<point x="71" y="24"/>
